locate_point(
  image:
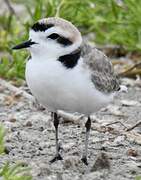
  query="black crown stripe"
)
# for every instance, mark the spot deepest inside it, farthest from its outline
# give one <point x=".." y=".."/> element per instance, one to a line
<point x="41" y="26"/>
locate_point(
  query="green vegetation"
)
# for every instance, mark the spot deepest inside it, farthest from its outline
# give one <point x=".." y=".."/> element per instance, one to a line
<point x="12" y="172"/>
<point x="112" y="23"/>
<point x="2" y="132"/>
<point x="138" y="178"/>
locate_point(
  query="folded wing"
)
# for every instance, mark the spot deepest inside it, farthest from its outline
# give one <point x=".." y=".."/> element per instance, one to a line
<point x="102" y="73"/>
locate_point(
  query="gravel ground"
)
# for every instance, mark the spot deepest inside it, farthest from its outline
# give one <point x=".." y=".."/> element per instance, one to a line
<point x="114" y="153"/>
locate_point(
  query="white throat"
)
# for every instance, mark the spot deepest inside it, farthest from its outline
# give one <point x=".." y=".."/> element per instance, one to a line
<point x="50" y="49"/>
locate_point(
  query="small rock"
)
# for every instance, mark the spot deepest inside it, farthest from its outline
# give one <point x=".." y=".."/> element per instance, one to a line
<point x="9" y="100"/>
<point x="115" y="110"/>
<point x="41" y="128"/>
<point x="18" y="94"/>
<point x="128" y="82"/>
<point x="44" y="169"/>
<point x="102" y="162"/>
<point x="59" y="176"/>
<point x="28" y="124"/>
<point x="68" y="146"/>
<point x="7" y="149"/>
<point x="1" y="89"/>
<point x="119" y="140"/>
<point x="22" y="163"/>
<point x="40" y="148"/>
<point x="71" y="161"/>
<point x="130" y="103"/>
<point x="12" y="119"/>
<point x="132" y="152"/>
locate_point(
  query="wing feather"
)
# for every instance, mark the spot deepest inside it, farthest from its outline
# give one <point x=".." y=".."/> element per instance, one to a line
<point x="102" y="76"/>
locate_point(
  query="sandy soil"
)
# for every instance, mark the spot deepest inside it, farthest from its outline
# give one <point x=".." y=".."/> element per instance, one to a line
<point x="114" y="153"/>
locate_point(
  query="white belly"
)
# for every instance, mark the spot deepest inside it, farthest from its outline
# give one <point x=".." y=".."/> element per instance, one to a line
<point x="59" y="88"/>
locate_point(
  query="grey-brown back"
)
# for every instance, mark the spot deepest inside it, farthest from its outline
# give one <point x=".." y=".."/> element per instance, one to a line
<point x="102" y="76"/>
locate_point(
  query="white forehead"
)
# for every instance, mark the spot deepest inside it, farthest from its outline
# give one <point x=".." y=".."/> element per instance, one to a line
<point x="62" y="24"/>
<point x="62" y="27"/>
<point x="39" y="34"/>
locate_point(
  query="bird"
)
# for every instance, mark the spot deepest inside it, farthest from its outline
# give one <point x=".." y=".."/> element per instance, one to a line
<point x="65" y="73"/>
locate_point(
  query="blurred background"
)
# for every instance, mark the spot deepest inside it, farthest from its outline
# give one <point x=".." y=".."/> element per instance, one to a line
<point x="112" y="26"/>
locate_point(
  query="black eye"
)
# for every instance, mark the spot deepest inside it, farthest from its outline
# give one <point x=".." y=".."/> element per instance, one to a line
<point x="53" y="36"/>
<point x="64" y="41"/>
<point x="61" y="40"/>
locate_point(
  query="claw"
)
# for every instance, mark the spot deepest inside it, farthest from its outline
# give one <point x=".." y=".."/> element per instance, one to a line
<point x="84" y="160"/>
<point x="56" y="158"/>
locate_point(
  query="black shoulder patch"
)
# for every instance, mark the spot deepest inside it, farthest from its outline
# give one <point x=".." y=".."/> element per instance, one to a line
<point x="70" y="60"/>
<point x="41" y="26"/>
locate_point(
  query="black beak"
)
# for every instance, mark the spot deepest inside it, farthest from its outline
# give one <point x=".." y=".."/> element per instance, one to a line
<point x="25" y="44"/>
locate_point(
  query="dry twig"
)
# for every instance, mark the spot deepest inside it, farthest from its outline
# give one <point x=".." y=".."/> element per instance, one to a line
<point x="134" y="126"/>
<point x="130" y="72"/>
<point x="7" y="2"/>
<point x="16" y="90"/>
<point x="116" y="122"/>
<point x="11" y="9"/>
<point x="133" y="137"/>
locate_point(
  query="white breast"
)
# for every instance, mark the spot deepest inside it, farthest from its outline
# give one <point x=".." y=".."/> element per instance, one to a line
<point x="59" y="88"/>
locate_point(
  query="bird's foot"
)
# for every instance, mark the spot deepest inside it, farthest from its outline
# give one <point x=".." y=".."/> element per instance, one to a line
<point x="56" y="158"/>
<point x="84" y="160"/>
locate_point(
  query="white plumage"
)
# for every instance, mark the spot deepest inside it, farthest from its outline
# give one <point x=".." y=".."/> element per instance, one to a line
<point x="58" y="88"/>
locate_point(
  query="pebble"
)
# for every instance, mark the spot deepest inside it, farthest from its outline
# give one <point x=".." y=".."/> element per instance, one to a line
<point x="28" y="124"/>
<point x="132" y="152"/>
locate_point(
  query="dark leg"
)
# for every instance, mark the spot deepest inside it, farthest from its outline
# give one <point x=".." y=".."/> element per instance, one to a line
<point x="56" y="123"/>
<point x="88" y="127"/>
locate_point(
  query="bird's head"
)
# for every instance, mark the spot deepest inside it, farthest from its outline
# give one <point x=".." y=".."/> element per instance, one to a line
<point x="52" y="37"/>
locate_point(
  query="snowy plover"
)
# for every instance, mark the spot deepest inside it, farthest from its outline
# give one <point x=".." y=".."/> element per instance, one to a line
<point x="65" y="74"/>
